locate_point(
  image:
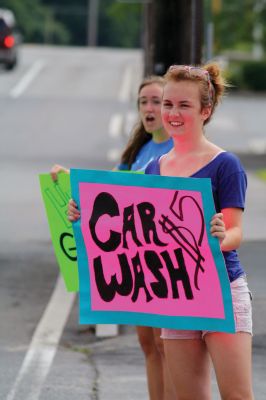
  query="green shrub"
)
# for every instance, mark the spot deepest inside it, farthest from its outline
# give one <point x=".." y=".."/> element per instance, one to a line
<point x="247" y="75"/>
<point x="254" y="75"/>
<point x="233" y="75"/>
<point x="262" y="174"/>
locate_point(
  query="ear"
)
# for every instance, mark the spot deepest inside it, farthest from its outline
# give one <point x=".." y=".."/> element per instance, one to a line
<point x="206" y="112"/>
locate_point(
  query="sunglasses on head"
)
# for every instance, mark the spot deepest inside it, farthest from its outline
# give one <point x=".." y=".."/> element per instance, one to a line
<point x="194" y="72"/>
<point x="191" y="70"/>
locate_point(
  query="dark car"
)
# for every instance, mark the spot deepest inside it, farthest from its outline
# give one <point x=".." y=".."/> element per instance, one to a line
<point x="9" y="39"/>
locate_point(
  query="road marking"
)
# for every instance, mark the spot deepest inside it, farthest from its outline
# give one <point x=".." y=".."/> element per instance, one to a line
<point x="115" y="126"/>
<point x="43" y="346"/>
<point x="131" y="120"/>
<point x="125" y="89"/>
<point x="226" y="124"/>
<point x="113" y="155"/>
<point x="27" y="79"/>
<point x="257" y="145"/>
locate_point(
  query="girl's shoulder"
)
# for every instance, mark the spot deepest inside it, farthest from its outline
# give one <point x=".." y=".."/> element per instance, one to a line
<point x="153" y="168"/>
<point x="229" y="161"/>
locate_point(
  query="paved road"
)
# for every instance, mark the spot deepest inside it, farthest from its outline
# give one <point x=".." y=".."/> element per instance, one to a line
<point x="71" y="89"/>
<point x="58" y="106"/>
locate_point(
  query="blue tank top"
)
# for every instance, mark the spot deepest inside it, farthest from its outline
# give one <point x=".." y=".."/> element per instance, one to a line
<point x="229" y="183"/>
<point x="148" y="152"/>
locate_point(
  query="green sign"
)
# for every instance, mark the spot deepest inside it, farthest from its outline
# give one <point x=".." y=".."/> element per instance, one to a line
<point x="56" y="196"/>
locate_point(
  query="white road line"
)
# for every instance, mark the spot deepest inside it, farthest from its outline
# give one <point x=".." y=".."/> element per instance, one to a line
<point x="130" y="121"/>
<point x="125" y="89"/>
<point x="27" y="79"/>
<point x="227" y="124"/>
<point x="113" y="155"/>
<point x="257" y="145"/>
<point x="43" y="346"/>
<point x="115" y="125"/>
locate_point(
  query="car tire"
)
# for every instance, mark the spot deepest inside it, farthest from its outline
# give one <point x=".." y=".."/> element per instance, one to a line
<point x="11" y="65"/>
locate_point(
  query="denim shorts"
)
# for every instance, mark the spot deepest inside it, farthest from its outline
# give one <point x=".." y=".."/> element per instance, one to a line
<point x="241" y="297"/>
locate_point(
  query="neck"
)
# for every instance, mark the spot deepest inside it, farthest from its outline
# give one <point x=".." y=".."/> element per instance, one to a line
<point x="159" y="136"/>
<point x="184" y="145"/>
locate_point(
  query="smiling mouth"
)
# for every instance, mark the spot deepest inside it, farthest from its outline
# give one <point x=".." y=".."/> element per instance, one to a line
<point x="176" y="124"/>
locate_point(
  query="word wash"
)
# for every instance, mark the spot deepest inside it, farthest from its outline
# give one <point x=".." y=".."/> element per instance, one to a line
<point x="143" y="253"/>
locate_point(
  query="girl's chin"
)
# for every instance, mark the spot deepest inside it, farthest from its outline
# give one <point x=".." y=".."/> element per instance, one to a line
<point x="175" y="132"/>
<point x="151" y="128"/>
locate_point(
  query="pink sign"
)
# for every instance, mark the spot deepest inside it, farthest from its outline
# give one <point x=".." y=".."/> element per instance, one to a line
<point x="148" y="251"/>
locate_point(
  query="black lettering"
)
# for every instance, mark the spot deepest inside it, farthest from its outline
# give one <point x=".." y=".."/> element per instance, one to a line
<point x="178" y="274"/>
<point x="139" y="279"/>
<point x="108" y="291"/>
<point x="154" y="264"/>
<point x="104" y="203"/>
<point x="129" y="226"/>
<point x="67" y="249"/>
<point x="147" y="213"/>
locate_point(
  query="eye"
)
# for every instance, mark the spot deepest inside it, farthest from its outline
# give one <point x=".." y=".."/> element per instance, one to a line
<point x="184" y="105"/>
<point x="143" y="102"/>
<point x="166" y="104"/>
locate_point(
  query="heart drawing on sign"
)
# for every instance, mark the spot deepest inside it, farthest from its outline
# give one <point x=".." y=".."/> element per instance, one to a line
<point x="187" y="217"/>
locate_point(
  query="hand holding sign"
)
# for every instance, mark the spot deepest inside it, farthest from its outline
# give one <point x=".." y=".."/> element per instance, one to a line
<point x="73" y="212"/>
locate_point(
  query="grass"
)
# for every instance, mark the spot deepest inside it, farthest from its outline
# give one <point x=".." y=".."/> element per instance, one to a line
<point x="261" y="173"/>
<point x="78" y="349"/>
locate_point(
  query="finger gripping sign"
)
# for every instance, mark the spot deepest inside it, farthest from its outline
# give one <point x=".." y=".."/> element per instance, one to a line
<point x="56" y="196"/>
<point x="145" y="253"/>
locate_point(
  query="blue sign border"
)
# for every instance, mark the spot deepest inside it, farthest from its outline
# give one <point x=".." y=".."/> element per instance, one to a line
<point x="89" y="316"/>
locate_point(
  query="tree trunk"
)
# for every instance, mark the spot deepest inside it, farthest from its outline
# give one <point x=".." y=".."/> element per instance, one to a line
<point x="173" y="34"/>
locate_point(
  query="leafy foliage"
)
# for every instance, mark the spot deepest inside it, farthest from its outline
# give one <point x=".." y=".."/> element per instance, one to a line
<point x="235" y="22"/>
<point x="73" y="15"/>
<point x="35" y="21"/>
<point x="66" y="21"/>
<point x="125" y="24"/>
<point x="120" y="22"/>
<point x="247" y="75"/>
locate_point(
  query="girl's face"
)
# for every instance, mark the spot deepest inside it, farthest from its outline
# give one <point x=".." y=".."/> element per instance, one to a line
<point x="181" y="108"/>
<point x="149" y="101"/>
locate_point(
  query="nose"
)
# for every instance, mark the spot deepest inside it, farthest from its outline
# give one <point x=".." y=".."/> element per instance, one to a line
<point x="149" y="106"/>
<point x="175" y="110"/>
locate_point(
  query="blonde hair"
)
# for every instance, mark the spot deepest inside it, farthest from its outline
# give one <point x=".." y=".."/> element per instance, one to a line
<point x="209" y="78"/>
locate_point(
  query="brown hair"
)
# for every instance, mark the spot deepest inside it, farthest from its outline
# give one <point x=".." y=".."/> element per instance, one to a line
<point x="139" y="136"/>
<point x="209" y="78"/>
